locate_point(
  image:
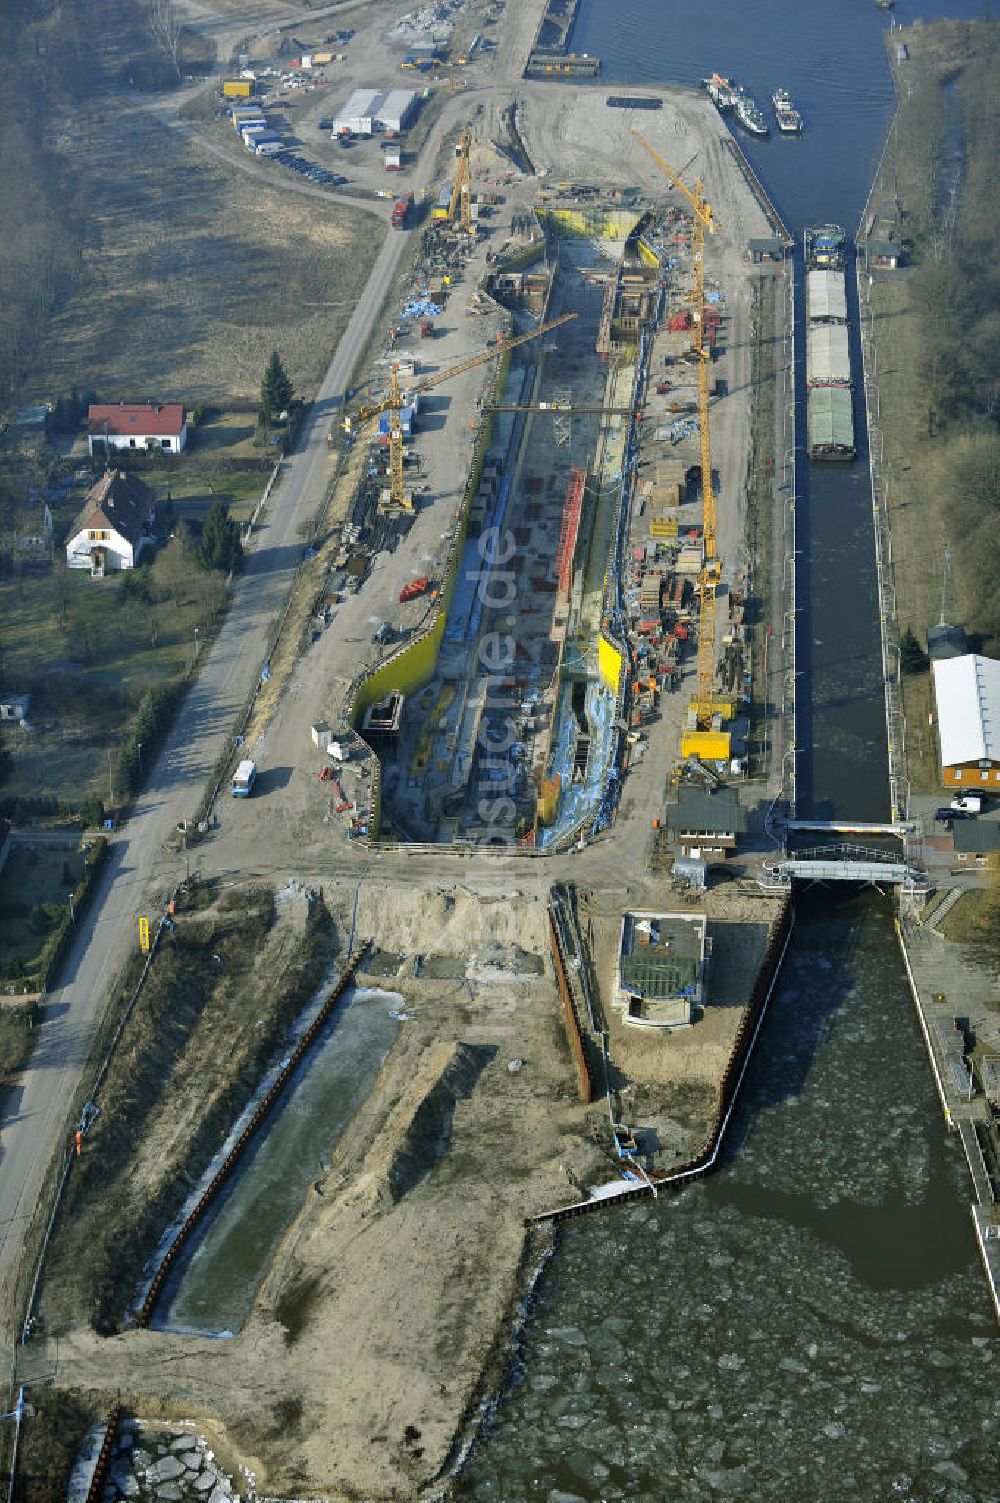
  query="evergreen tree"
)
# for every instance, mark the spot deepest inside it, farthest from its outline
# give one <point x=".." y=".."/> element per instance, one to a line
<point x="275" y="389"/>
<point x="912" y="658"/>
<point x="220" y="546"/>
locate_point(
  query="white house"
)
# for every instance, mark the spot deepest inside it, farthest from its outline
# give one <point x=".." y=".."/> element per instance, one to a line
<point x="136" y="425"/>
<point x="113" y="528"/>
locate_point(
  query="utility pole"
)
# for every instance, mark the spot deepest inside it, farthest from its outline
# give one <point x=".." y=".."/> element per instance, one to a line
<point x="945" y="581"/>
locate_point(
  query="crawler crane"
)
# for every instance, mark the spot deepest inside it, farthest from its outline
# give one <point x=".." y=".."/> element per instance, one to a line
<point x="701" y="740"/>
<point x="394" y="402"/>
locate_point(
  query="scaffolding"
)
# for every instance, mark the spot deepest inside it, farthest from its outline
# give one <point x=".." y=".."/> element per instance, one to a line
<point x="568" y="532"/>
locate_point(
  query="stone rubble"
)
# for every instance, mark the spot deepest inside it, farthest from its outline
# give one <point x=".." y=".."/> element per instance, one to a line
<point x="159" y="1467"/>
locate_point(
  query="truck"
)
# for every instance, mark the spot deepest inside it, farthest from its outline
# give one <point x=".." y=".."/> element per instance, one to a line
<point x="244" y="778"/>
<point x="401" y="211"/>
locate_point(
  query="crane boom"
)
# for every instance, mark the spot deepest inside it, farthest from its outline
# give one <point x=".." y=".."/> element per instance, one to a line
<point x="703" y="219"/>
<point x="394" y="401"/>
<point x="702" y="209"/>
<point x="460" y="205"/>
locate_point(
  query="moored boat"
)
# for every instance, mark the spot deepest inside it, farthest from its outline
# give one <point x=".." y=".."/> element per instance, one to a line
<point x="750" y="115"/>
<point x="721" y="91"/>
<point x="825" y="246"/>
<point x="788" y="118"/>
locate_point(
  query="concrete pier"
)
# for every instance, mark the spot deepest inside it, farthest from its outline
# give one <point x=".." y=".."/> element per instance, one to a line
<point x="944" y="989"/>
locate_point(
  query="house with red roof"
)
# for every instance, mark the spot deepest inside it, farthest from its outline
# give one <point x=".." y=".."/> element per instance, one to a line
<point x="114" y="526"/>
<point x="136" y="426"/>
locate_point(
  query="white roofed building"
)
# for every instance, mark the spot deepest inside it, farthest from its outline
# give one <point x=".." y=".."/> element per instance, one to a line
<point x="967" y="698"/>
<point x="369" y="110"/>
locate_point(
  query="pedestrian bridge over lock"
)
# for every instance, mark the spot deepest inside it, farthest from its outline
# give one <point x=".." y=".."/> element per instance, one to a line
<point x="842" y="862"/>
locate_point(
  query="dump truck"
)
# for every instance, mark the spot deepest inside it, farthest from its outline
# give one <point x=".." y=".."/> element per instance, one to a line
<point x="401" y="210"/>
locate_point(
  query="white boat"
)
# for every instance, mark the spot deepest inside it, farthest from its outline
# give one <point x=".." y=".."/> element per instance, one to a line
<point x="788" y="118"/>
<point x="750" y="115"/>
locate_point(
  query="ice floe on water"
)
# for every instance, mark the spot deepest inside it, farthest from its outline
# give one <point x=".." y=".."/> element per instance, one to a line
<point x="810" y="1323"/>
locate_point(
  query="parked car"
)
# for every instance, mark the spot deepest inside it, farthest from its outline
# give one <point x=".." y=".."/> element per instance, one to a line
<point x="325" y="124"/>
<point x="945" y="816"/>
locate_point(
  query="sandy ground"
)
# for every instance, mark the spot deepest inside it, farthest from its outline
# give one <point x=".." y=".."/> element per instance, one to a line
<point x="666" y="1085"/>
<point x="387" y="1304"/>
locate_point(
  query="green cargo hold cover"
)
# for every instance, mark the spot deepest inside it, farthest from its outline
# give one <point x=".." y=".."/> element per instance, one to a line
<point x="831" y="420"/>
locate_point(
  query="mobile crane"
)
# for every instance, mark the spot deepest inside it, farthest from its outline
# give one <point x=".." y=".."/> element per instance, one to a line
<point x="701" y="740"/>
<point x="393" y="402"/>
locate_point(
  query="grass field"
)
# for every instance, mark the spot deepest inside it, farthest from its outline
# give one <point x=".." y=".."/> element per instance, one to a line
<point x="86" y="655"/>
<point x="193" y="273"/>
<point x="31" y="878"/>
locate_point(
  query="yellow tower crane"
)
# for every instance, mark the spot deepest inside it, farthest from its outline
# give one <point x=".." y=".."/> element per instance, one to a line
<point x="460" y="207"/>
<point x="701" y="741"/>
<point x="393" y="402"/>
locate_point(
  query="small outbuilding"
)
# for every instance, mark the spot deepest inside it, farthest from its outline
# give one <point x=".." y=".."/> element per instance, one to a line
<point x="14" y="707"/>
<point x="136" y="426"/>
<point x="659" y="978"/>
<point x="944" y="641"/>
<point x="706" y="824"/>
<point x="967" y="701"/>
<point x="976" y="837"/>
<point x="764" y="249"/>
<point x="886" y="255"/>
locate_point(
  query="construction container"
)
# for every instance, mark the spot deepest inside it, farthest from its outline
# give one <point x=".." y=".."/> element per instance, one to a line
<point x="237" y="88"/>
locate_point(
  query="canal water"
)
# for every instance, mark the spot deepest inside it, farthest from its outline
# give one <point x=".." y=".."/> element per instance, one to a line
<point x="811" y="1322"/>
<point x="213" y="1286"/>
<point x="831" y="58"/>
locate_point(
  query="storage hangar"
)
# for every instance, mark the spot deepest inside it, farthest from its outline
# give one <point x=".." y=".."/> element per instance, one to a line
<point x="967" y="698"/>
<point x="369" y="110"/>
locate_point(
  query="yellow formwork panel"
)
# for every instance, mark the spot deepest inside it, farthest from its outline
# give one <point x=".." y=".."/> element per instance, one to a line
<point x="548" y="800"/>
<point x="409" y="671"/>
<point x="663" y="527"/>
<point x="710" y="746"/>
<point x="605" y="223"/>
<point x="609" y="664"/>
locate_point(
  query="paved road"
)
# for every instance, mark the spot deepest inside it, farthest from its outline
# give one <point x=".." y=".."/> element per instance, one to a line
<point x="34" y="1118"/>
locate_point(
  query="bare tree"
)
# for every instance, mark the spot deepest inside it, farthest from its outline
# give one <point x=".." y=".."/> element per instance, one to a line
<point x="165" y="27"/>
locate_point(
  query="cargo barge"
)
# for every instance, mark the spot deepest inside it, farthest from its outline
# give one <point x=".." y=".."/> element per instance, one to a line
<point x="828" y="352"/>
